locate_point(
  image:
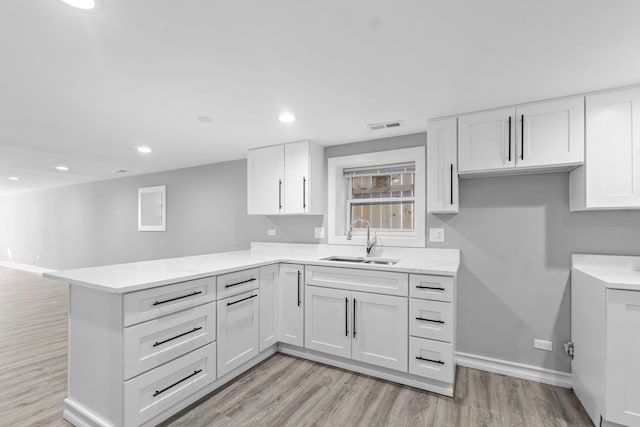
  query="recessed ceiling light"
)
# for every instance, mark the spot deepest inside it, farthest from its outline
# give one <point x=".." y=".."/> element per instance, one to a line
<point x="14" y="178"/>
<point x="62" y="168"/>
<point x="287" y="117"/>
<point x="144" y="150"/>
<point x="81" y="4"/>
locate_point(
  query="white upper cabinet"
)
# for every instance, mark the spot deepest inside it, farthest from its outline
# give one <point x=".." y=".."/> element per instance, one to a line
<point x="610" y="177"/>
<point x="285" y="179"/>
<point x="542" y="136"/>
<point x="442" y="166"/>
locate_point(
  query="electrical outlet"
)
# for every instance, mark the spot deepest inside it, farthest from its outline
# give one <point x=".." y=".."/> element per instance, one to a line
<point x="271" y="232"/>
<point x="543" y="344"/>
<point x="319" y="232"/>
<point x="436" y="234"/>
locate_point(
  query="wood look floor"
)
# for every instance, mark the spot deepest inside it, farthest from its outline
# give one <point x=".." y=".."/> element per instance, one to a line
<point x="283" y="390"/>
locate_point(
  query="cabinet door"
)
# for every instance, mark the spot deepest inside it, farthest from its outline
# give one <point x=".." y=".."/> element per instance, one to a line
<point x="550" y="133"/>
<point x="268" y="306"/>
<point x="613" y="150"/>
<point x="327" y="321"/>
<point x="265" y="180"/>
<point x="486" y="140"/>
<point x="296" y="175"/>
<point x="442" y="166"/>
<point x="623" y="357"/>
<point x="238" y="328"/>
<point x="291" y="295"/>
<point x="380" y="333"/>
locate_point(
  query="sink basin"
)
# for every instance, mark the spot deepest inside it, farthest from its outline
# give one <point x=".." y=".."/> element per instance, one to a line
<point x="362" y="260"/>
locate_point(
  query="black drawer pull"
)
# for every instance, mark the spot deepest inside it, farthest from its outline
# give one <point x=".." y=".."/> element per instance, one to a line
<point x="157" y="343"/>
<point x="177" y="298"/>
<point x="439" y="362"/>
<point x="240" y="283"/>
<point x="176" y="383"/>
<point x="430" y="320"/>
<point x="430" y="287"/>
<point x="240" y="300"/>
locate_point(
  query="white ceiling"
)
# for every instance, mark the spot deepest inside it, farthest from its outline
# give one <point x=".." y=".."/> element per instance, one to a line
<point x="84" y="89"/>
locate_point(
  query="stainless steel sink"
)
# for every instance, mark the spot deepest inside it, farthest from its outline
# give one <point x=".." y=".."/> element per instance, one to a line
<point x="362" y="260"/>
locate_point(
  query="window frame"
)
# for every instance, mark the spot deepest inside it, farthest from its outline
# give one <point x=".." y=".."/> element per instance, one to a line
<point x="337" y="197"/>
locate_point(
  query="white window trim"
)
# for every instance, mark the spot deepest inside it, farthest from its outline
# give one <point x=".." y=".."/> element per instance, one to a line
<point x="337" y="203"/>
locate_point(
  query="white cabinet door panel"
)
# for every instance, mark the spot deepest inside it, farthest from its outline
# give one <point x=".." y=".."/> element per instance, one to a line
<point x="265" y="180"/>
<point x="623" y="357"/>
<point x="553" y="133"/>
<point x="327" y="321"/>
<point x="238" y="330"/>
<point x="442" y="166"/>
<point x="291" y="295"/>
<point x="296" y="167"/>
<point x="484" y="140"/>
<point x="380" y="331"/>
<point x="268" y="306"/>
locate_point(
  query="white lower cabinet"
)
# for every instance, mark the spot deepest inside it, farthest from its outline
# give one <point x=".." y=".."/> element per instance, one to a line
<point x="366" y="327"/>
<point x="269" y="329"/>
<point x="433" y="359"/>
<point x="155" y="391"/>
<point x="291" y="304"/>
<point x="238" y="330"/>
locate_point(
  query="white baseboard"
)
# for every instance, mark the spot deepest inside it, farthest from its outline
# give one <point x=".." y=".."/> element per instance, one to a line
<point x="25" y="267"/>
<point x="518" y="370"/>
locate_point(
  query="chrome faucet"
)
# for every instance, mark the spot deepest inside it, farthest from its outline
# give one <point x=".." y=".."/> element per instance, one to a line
<point x="370" y="243"/>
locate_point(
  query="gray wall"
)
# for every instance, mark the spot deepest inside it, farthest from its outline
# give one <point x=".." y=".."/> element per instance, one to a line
<point x="515" y="233"/>
<point x="96" y="223"/>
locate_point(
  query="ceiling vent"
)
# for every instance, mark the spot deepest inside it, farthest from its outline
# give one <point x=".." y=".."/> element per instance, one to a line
<point x="387" y="125"/>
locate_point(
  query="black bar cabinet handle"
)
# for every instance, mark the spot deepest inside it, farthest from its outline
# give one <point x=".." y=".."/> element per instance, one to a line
<point x="279" y="194"/>
<point x="157" y="343"/>
<point x="354" y="317"/>
<point x="522" y="138"/>
<point x="240" y="300"/>
<point x="430" y="287"/>
<point x="451" y="184"/>
<point x="509" y="138"/>
<point x="346" y="316"/>
<point x="240" y="283"/>
<point x="439" y="362"/>
<point x="176" y="383"/>
<point x="299" y="275"/>
<point x="430" y="320"/>
<point x="177" y="298"/>
<point x="304" y="193"/>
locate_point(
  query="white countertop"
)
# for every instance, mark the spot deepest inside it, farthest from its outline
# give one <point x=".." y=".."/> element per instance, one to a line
<point x="615" y="271"/>
<point x="121" y="278"/>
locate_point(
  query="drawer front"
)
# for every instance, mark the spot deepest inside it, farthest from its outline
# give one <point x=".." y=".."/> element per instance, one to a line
<point x="431" y="359"/>
<point x="439" y="288"/>
<point x="158" y="341"/>
<point x="239" y="282"/>
<point x="378" y="282"/>
<point x="431" y="319"/>
<point x="157" y="390"/>
<point x="152" y="303"/>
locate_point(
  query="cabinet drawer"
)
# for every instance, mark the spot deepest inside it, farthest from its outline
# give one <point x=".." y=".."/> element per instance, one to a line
<point x="236" y="283"/>
<point x="431" y="359"/>
<point x="157" y="390"/>
<point x="378" y="282"/>
<point x="151" y="303"/>
<point x="431" y="319"/>
<point x="157" y="341"/>
<point x="439" y="288"/>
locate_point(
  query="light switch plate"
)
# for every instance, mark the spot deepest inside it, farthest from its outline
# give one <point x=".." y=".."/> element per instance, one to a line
<point x="271" y="232"/>
<point x="436" y="235"/>
<point x="319" y="232"/>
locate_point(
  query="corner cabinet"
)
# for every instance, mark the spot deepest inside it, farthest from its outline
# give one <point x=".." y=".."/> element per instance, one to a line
<point x="610" y="177"/>
<point x="442" y="166"/>
<point x="537" y="137"/>
<point x="286" y="179"/>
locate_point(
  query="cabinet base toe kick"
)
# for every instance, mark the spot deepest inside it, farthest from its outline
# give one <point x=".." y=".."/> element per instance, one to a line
<point x="404" y="378"/>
